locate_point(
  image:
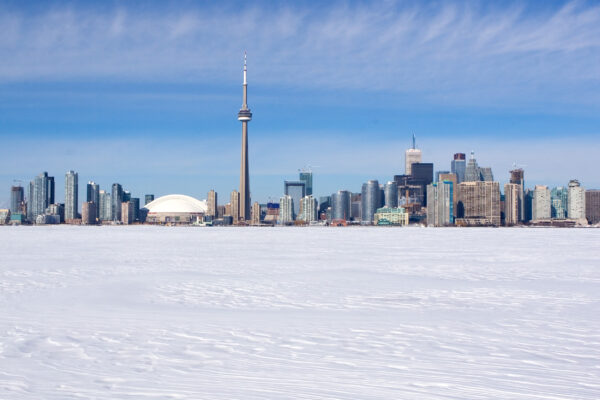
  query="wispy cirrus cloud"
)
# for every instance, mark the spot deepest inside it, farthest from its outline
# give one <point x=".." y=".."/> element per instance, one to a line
<point x="450" y="52"/>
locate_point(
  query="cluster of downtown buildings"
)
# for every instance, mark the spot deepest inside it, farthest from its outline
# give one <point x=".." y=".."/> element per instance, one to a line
<point x="101" y="206"/>
<point x="465" y="195"/>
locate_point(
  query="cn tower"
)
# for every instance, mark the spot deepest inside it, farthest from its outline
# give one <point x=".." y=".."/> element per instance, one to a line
<point x="245" y="116"/>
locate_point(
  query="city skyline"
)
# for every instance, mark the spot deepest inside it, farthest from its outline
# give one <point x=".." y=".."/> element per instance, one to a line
<point x="168" y="128"/>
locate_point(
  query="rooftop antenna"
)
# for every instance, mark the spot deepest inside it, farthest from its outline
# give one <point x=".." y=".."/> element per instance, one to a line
<point x="414" y="142"/>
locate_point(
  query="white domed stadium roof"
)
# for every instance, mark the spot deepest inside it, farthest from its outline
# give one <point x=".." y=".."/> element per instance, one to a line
<point x="176" y="203"/>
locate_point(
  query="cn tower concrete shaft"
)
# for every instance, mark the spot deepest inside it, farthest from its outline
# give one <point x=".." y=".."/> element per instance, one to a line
<point x="245" y="116"/>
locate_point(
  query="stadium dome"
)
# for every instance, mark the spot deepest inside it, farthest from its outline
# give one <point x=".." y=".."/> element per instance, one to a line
<point x="176" y="203"/>
<point x="175" y="208"/>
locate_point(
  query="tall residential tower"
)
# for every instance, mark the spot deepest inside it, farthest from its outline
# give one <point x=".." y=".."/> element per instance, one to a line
<point x="71" y="195"/>
<point x="412" y="155"/>
<point x="245" y="116"/>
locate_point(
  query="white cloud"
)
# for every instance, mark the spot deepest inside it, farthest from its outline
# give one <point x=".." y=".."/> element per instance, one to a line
<point x="457" y="52"/>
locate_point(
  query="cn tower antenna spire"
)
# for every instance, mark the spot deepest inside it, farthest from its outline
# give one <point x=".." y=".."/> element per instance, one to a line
<point x="245" y="69"/>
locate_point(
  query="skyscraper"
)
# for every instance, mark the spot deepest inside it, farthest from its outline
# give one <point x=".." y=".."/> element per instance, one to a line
<point x="245" y="116"/>
<point x="135" y="201"/>
<point x="576" y="200"/>
<point x="370" y="201"/>
<point x="440" y="209"/>
<point x="411" y="156"/>
<point x="116" y="200"/>
<point x="422" y="175"/>
<point x="127" y="212"/>
<point x="211" y="203"/>
<point x="71" y="195"/>
<point x="41" y="195"/>
<point x="256" y="212"/>
<point x="517" y="176"/>
<point x="235" y="204"/>
<point x="286" y="209"/>
<point x="472" y="173"/>
<point x="451" y="177"/>
<point x="540" y="208"/>
<point x="149" y="198"/>
<point x="88" y="213"/>
<point x="105" y="212"/>
<point x="458" y="166"/>
<point x="17" y="196"/>
<point x="296" y="189"/>
<point x="390" y="191"/>
<point x="438" y="173"/>
<point x="478" y="203"/>
<point x="93" y="192"/>
<point x="308" y="207"/>
<point x="511" y="204"/>
<point x="559" y="199"/>
<point x="307" y="178"/>
<point x="486" y="174"/>
<point x="340" y="205"/>
<point x="93" y="195"/>
<point x="592" y="206"/>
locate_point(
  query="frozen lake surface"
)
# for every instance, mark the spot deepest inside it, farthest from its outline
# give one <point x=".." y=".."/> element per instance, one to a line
<point x="299" y="313"/>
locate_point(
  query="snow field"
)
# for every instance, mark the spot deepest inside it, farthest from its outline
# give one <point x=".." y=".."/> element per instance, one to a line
<point x="286" y="313"/>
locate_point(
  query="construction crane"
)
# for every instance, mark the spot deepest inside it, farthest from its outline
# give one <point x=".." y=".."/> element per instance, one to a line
<point x="308" y="168"/>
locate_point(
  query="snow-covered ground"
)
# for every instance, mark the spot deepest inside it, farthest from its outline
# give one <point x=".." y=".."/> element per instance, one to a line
<point x="299" y="313"/>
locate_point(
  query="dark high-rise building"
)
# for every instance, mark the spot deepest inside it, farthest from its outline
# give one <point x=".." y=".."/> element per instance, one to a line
<point x="370" y="200"/>
<point x="297" y="190"/>
<point x="93" y="192"/>
<point x="307" y="178"/>
<point x="458" y="166"/>
<point x="17" y="197"/>
<point x="126" y="196"/>
<point x="93" y="195"/>
<point x="422" y="175"/>
<point x="423" y="172"/>
<point x="410" y="191"/>
<point x="245" y="116"/>
<point x="71" y="195"/>
<point x="135" y="203"/>
<point x="51" y="190"/>
<point x="340" y="205"/>
<point x="528" y="204"/>
<point x="592" y="206"/>
<point x="149" y="198"/>
<point x="324" y="204"/>
<point x="391" y="195"/>
<point x="116" y="200"/>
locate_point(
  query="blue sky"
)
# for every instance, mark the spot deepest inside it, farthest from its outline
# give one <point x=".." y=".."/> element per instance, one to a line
<point x="146" y="93"/>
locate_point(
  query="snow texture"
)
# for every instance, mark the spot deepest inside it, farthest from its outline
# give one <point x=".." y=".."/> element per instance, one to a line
<point x="299" y="313"/>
